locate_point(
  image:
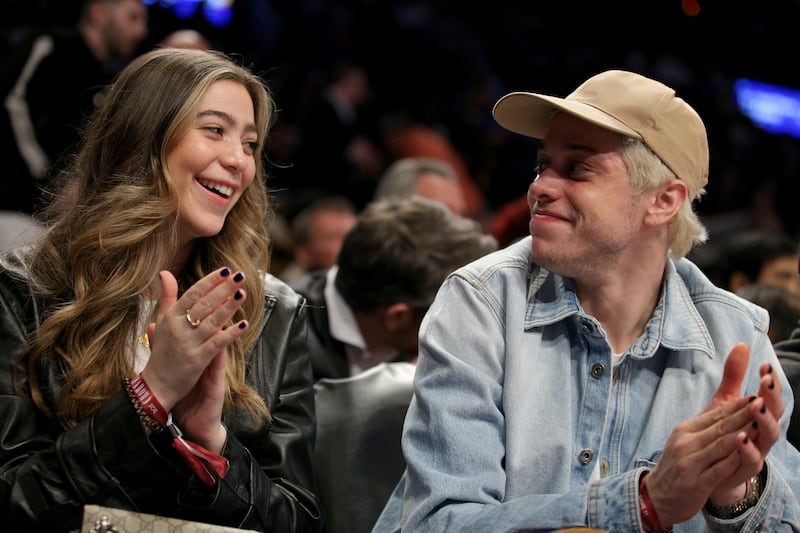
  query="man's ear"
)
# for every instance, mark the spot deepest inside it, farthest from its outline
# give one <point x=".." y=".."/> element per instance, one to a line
<point x="398" y="316"/>
<point x="668" y="199"/>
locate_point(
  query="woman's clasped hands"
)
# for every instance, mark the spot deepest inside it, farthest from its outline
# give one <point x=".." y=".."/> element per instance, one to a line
<point x="188" y="342"/>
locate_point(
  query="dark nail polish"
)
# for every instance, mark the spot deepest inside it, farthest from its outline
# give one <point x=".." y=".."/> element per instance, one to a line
<point x="225" y="272"/>
<point x="746" y="440"/>
<point x="769" y="369"/>
<point x="754" y="425"/>
<point x="753" y="397"/>
<point x="238" y="277"/>
<point x="242" y="324"/>
<point x="763" y="409"/>
<point x="771" y="384"/>
<point x="238" y="295"/>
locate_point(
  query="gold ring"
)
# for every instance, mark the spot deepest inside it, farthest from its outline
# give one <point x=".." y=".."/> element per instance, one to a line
<point x="193" y="323"/>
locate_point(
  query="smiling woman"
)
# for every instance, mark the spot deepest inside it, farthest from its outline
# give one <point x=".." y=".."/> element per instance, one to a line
<point x="159" y="235"/>
<point x="213" y="163"/>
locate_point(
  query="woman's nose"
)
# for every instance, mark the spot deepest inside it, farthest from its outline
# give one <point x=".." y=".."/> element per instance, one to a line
<point x="234" y="157"/>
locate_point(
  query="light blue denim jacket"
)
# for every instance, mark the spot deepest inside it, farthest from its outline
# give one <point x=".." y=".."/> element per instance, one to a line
<point x="516" y="402"/>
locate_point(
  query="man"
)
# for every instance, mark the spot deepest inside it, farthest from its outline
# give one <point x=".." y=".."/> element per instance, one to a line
<point x="763" y="258"/>
<point x="366" y="309"/>
<point x="364" y="316"/>
<point x="336" y="152"/>
<point x="589" y="376"/>
<point x="50" y="84"/>
<point x="422" y="176"/>
<point x="317" y="234"/>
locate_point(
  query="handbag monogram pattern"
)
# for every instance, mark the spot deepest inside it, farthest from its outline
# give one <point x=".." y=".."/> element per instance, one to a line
<point x="97" y="519"/>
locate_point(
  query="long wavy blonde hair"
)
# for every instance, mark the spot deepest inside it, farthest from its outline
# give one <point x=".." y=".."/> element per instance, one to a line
<point x="116" y="229"/>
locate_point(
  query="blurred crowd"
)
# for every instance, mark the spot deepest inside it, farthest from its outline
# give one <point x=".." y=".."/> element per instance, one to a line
<point x="361" y="84"/>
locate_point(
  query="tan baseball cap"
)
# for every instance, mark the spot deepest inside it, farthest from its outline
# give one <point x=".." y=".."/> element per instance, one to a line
<point x="626" y="103"/>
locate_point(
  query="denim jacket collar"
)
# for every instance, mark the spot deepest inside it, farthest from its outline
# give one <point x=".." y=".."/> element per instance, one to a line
<point x="552" y="298"/>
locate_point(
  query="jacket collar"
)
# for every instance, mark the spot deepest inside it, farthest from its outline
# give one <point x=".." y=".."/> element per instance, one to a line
<point x="676" y="323"/>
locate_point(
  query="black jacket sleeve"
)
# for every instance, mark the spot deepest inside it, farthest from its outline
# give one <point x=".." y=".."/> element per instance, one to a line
<point x="47" y="472"/>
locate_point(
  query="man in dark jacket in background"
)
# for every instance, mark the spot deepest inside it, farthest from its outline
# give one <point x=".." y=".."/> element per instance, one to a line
<point x="788" y="351"/>
<point x="50" y="83"/>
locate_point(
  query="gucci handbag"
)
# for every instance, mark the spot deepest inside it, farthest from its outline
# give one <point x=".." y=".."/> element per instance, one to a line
<point x="97" y="519"/>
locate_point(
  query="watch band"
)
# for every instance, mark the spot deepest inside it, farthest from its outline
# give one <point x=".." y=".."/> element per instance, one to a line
<point x="737" y="508"/>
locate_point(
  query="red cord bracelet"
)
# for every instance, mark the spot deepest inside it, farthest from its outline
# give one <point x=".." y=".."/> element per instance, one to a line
<point x="648" y="512"/>
<point x="200" y="460"/>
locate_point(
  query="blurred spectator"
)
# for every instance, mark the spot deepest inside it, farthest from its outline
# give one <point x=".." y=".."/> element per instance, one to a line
<point x="186" y="38"/>
<point x="317" y="234"/>
<point x="510" y="222"/>
<point x="403" y="139"/>
<point x="336" y="152"/>
<point x="50" y="83"/>
<point x="364" y="317"/>
<point x="782" y="305"/>
<point x="788" y="353"/>
<point x="422" y="176"/>
<point x="367" y="309"/>
<point x="761" y="257"/>
<point x="357" y="452"/>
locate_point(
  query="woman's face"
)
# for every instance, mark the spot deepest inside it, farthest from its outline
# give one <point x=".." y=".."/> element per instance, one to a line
<point x="213" y="163"/>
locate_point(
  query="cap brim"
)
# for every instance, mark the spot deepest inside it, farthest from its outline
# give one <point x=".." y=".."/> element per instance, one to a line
<point x="530" y="114"/>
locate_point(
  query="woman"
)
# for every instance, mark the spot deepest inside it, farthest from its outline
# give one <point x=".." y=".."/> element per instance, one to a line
<point x="145" y="311"/>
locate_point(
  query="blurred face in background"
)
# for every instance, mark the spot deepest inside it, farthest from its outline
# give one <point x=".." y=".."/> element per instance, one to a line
<point x="781" y="272"/>
<point x="124" y="26"/>
<point x="436" y="187"/>
<point x="327" y="231"/>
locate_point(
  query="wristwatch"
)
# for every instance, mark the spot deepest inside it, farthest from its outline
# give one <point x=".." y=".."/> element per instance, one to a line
<point x="735" y="509"/>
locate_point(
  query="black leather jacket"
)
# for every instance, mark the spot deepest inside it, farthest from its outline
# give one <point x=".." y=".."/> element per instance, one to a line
<point x="328" y="355"/>
<point x="788" y="352"/>
<point x="47" y="472"/>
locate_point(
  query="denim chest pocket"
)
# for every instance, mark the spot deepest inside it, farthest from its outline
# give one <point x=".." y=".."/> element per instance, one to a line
<point x="649" y="462"/>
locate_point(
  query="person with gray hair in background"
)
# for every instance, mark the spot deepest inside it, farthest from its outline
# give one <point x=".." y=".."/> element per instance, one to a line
<point x="422" y="176"/>
<point x="590" y="375"/>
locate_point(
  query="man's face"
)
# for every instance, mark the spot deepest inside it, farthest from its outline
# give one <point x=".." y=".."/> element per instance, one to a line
<point x="584" y="215"/>
<point x="781" y="272"/>
<point x="441" y="189"/>
<point x="328" y="230"/>
<point x="124" y="28"/>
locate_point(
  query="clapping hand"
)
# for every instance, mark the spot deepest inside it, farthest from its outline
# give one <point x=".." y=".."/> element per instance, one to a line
<point x="711" y="456"/>
<point x="189" y="341"/>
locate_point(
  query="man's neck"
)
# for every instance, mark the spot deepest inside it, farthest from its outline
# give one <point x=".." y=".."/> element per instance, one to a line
<point x="623" y="301"/>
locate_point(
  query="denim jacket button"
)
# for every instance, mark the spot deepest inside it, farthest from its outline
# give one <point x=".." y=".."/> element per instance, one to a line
<point x="586" y="456"/>
<point x="598" y="370"/>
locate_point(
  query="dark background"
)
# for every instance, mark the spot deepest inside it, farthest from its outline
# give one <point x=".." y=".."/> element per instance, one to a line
<point x="445" y="63"/>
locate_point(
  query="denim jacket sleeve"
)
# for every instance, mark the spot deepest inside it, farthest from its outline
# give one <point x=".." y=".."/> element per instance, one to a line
<point x="490" y="436"/>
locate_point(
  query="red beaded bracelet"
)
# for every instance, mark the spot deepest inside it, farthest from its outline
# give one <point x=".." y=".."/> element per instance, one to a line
<point x="156" y="418"/>
<point x="648" y="512"/>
